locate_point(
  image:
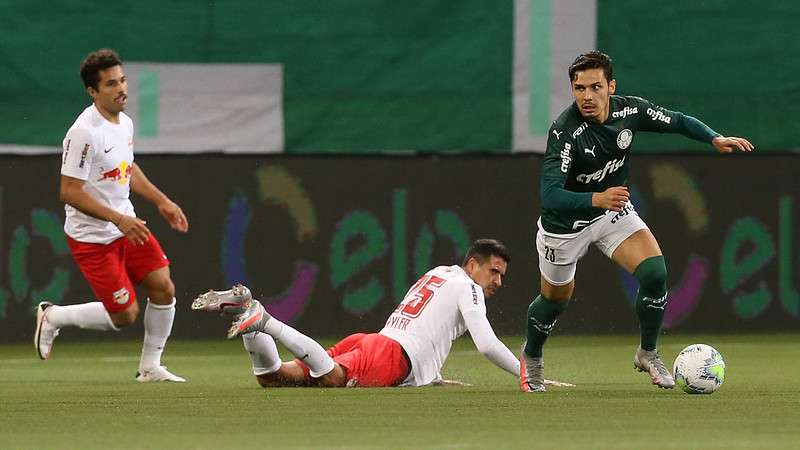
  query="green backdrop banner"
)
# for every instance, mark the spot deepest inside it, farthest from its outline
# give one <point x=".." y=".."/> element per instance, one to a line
<point x="375" y="76"/>
<point x="359" y="75"/>
<point x="732" y="64"/>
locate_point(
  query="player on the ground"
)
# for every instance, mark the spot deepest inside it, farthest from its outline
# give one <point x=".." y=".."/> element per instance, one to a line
<point x="409" y="351"/>
<point x="585" y="200"/>
<point x="113" y="248"/>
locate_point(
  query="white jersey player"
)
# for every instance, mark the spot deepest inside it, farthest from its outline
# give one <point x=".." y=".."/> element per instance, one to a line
<point x="100" y="153"/>
<point x="112" y="247"/>
<point x="437" y="310"/>
<point x="409" y="351"/>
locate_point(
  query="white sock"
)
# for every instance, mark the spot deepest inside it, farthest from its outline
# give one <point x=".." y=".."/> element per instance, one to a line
<point x="302" y="347"/>
<point x="90" y="316"/>
<point x="263" y="352"/>
<point x="157" y="328"/>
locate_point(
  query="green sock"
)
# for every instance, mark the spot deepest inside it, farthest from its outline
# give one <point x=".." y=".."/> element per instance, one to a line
<point x="542" y="314"/>
<point x="651" y="300"/>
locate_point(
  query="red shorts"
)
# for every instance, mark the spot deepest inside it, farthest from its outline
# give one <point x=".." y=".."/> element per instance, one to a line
<point x="112" y="269"/>
<point x="371" y="360"/>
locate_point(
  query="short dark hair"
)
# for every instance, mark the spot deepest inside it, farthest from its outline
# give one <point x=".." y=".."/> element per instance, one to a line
<point x="483" y="249"/>
<point x="592" y="60"/>
<point x="95" y="62"/>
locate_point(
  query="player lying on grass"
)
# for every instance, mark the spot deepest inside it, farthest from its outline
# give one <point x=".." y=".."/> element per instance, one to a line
<point x="411" y="348"/>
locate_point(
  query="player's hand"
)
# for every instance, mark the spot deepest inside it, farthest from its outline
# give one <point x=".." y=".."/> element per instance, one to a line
<point x="555" y="383"/>
<point x="134" y="229"/>
<point x="174" y="216"/>
<point x="728" y="144"/>
<point x="450" y="383"/>
<point x="612" y="199"/>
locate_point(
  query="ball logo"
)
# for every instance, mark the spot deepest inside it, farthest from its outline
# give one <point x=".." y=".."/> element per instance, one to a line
<point x="624" y="138"/>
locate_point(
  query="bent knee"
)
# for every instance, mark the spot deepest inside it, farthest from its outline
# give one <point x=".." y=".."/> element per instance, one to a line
<point x="125" y="318"/>
<point x="652" y="274"/>
<point x="335" y="378"/>
<point x="163" y="292"/>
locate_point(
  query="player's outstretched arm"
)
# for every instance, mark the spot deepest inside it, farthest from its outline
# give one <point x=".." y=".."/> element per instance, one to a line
<point x="487" y="342"/>
<point x="443" y="382"/>
<point x="168" y="209"/>
<point x="725" y="144"/>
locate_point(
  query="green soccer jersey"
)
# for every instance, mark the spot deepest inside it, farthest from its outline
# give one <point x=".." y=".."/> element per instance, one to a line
<point x="583" y="157"/>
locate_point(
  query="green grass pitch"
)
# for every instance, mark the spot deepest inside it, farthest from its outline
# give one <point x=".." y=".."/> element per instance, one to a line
<point x="85" y="397"/>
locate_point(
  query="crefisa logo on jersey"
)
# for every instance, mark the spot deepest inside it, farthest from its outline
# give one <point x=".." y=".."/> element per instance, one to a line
<point x="610" y="167"/>
<point x="625" y="112"/>
<point x="566" y="158"/>
<point x="624" y="139"/>
<point x="658" y="115"/>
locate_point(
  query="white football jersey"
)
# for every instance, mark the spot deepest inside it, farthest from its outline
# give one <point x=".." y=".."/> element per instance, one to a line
<point x="100" y="153"/>
<point x="430" y="318"/>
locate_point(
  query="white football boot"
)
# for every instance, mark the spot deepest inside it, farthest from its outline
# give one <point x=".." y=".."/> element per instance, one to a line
<point x="45" y="333"/>
<point x="157" y="374"/>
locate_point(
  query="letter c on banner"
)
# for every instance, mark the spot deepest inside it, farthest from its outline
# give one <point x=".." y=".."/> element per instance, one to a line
<point x="276" y="186"/>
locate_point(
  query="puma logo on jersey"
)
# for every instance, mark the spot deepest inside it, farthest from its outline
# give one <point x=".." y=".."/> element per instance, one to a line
<point x="566" y="157"/>
<point x="625" y="112"/>
<point x="586" y="150"/>
<point x="658" y="115"/>
<point x="610" y="167"/>
<point x="557" y="133"/>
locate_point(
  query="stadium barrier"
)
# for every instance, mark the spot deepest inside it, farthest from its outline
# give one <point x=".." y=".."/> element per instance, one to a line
<point x="331" y="244"/>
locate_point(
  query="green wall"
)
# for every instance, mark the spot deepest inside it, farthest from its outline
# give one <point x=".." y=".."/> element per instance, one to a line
<point x="733" y="64"/>
<point x="369" y="76"/>
<point x="360" y="75"/>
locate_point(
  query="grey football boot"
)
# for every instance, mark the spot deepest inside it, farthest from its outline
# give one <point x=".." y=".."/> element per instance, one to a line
<point x="232" y="302"/>
<point x="253" y="319"/>
<point x="531" y="373"/>
<point x="649" y="361"/>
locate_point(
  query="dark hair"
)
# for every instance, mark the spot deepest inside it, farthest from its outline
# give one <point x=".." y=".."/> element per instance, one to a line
<point x="483" y="249"/>
<point x="95" y="62"/>
<point x="592" y="60"/>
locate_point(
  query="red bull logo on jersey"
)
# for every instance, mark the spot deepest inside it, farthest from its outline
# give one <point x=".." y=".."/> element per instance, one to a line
<point x="610" y="167"/>
<point x="120" y="174"/>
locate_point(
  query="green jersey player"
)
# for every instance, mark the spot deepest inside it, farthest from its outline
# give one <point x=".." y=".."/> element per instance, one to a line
<point x="585" y="200"/>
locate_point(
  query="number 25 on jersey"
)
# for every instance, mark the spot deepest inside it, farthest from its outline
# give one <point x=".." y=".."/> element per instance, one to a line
<point x="420" y="294"/>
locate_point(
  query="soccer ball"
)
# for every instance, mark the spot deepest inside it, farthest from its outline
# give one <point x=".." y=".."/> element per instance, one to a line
<point x="699" y="369"/>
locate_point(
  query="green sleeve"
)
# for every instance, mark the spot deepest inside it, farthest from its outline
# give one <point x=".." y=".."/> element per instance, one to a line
<point x="555" y="169"/>
<point x="662" y="120"/>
